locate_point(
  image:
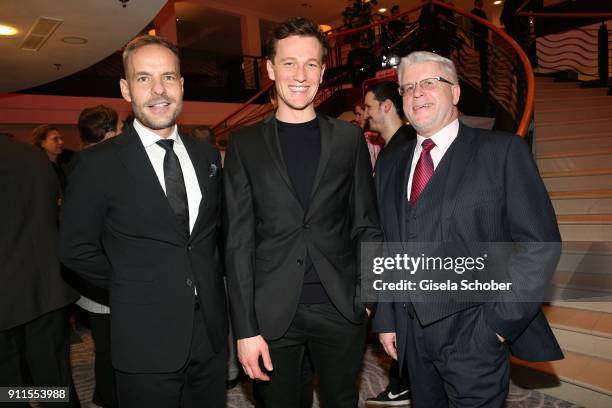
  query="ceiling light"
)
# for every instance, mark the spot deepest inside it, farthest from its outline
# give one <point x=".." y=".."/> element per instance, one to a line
<point x="151" y="32"/>
<point x="497" y="2"/>
<point x="382" y="10"/>
<point x="74" y="40"/>
<point x="325" y="27"/>
<point x="7" y="30"/>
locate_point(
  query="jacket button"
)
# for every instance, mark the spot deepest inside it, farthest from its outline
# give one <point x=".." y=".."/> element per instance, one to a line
<point x="306" y="225"/>
<point x="189" y="247"/>
<point x="300" y="262"/>
<point x="189" y="282"/>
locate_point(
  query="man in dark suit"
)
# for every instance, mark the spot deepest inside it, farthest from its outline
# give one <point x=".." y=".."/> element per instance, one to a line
<point x="384" y="112"/>
<point x="458" y="184"/>
<point x="141" y="217"/>
<point x="34" y="329"/>
<point x="299" y="199"/>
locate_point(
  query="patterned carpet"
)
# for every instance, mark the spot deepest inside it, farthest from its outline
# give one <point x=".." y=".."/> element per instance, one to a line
<point x="373" y="380"/>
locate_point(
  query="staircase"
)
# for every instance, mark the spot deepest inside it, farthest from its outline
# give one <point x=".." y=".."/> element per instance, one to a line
<point x="574" y="155"/>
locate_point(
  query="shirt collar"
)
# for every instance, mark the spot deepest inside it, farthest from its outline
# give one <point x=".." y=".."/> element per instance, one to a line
<point x="149" y="138"/>
<point x="444" y="137"/>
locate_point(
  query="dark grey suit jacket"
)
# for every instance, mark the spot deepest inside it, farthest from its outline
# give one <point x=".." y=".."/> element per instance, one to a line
<point x="32" y="284"/>
<point x="269" y="234"/>
<point x="486" y="189"/>
<point x="118" y="231"/>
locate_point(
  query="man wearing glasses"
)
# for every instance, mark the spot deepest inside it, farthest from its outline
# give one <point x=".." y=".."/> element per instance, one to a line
<point x="460" y="184"/>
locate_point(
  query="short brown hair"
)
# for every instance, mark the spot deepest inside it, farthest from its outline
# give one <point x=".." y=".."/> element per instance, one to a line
<point x="95" y="122"/>
<point x="299" y="26"/>
<point x="145" y="40"/>
<point x="39" y="134"/>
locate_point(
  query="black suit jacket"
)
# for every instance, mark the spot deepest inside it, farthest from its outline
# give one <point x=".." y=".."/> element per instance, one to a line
<point x="492" y="192"/>
<point x="32" y="284"/>
<point x="118" y="231"/>
<point x="269" y="234"/>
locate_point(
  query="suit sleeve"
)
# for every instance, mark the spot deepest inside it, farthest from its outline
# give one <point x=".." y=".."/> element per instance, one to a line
<point x="365" y="225"/>
<point x="384" y="318"/>
<point x="239" y="220"/>
<point x="82" y="222"/>
<point x="532" y="223"/>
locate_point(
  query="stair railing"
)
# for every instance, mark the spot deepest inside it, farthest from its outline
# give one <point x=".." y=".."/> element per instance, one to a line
<point x="513" y="89"/>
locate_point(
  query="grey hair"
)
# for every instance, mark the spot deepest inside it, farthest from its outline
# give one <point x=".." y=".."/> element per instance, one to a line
<point x="418" y="57"/>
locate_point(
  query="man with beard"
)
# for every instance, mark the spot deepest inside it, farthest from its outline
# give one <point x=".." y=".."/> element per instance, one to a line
<point x="141" y="218"/>
<point x="299" y="200"/>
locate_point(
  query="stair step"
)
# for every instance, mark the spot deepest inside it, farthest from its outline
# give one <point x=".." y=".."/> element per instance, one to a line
<point x="578" y="179"/>
<point x="581" y="331"/>
<point x="572" y="101"/>
<point x="570" y="195"/>
<point x="599" y="219"/>
<point x="555" y="92"/>
<point x="583" y="159"/>
<point x="582" y="202"/>
<point x="578" y="378"/>
<point x="548" y="114"/>
<point x="577" y="126"/>
<point x="570" y="142"/>
<point x="579" y="279"/>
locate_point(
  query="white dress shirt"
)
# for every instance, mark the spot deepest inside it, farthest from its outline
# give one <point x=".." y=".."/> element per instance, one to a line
<point x="156" y="155"/>
<point x="443" y="139"/>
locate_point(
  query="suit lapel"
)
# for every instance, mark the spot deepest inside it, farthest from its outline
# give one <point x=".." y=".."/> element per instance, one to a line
<point x="327" y="131"/>
<point x="201" y="166"/>
<point x="462" y="151"/>
<point x="135" y="159"/>
<point x="273" y="145"/>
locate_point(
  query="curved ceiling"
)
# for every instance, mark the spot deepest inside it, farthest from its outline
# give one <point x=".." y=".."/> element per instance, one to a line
<point x="105" y="24"/>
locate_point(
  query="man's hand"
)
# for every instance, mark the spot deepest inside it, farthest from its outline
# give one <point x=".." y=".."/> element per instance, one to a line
<point x="389" y="344"/>
<point x="249" y="350"/>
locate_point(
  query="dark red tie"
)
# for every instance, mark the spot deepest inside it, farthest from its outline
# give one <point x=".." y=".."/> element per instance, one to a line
<point x="423" y="171"/>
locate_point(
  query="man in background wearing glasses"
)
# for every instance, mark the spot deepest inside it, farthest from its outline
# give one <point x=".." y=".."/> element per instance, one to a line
<point x="460" y="184"/>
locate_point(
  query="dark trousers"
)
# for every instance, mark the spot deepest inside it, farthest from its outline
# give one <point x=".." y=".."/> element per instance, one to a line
<point x="199" y="383"/>
<point x="105" y="391"/>
<point x="335" y="347"/>
<point x="41" y="348"/>
<point x="397" y="382"/>
<point x="457" y="362"/>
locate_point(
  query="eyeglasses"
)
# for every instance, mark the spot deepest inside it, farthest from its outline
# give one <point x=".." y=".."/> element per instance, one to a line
<point x="427" y="84"/>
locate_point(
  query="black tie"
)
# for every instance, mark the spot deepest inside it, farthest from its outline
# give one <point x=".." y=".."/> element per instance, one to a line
<point x="175" y="185"/>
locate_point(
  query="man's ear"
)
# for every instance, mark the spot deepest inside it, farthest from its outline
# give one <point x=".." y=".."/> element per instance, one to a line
<point x="456" y="93"/>
<point x="387" y="105"/>
<point x="270" y="69"/>
<point x="125" y="90"/>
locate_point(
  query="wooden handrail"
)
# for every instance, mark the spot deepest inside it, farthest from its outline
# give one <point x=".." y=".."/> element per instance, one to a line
<point x="247" y="103"/>
<point x="529" y="76"/>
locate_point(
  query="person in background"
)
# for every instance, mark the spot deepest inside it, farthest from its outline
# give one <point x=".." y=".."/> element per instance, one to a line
<point x="204" y="133"/>
<point x="34" y="329"/>
<point x="95" y="125"/>
<point x="48" y="139"/>
<point x="373" y="139"/>
<point x="384" y="112"/>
